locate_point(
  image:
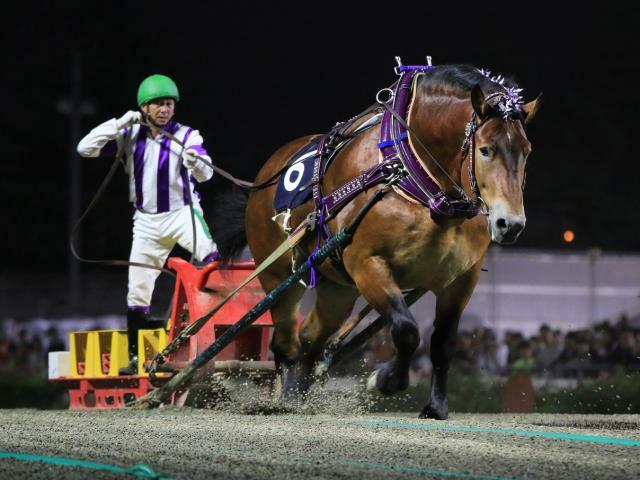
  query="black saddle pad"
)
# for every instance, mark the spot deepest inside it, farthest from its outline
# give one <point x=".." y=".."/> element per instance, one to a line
<point x="294" y="186"/>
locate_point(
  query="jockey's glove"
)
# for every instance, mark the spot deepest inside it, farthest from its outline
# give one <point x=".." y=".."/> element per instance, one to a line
<point x="128" y="119"/>
<point x="189" y="159"/>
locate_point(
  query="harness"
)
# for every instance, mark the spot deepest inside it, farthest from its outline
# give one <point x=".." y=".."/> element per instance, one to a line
<point x="398" y="164"/>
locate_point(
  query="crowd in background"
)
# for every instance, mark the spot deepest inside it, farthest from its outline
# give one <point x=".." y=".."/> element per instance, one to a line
<point x="28" y="351"/>
<point x="595" y="352"/>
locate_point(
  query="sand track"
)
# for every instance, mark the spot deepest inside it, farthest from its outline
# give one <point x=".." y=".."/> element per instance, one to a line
<point x="191" y="444"/>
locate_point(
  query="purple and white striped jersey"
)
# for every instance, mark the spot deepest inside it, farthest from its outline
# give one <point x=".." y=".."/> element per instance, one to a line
<point x="158" y="182"/>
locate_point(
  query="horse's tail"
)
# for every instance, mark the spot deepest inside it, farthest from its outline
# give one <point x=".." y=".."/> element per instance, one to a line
<point x="228" y="223"/>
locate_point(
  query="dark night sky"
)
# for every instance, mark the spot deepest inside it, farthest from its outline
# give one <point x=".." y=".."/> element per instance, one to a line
<point x="254" y="77"/>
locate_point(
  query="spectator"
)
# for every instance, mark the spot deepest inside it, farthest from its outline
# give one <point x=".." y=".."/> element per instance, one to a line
<point x="626" y="350"/>
<point x="54" y="341"/>
<point x="513" y="339"/>
<point x="486" y="360"/>
<point x="462" y="358"/>
<point x="582" y="347"/>
<point x="599" y="349"/>
<point x="20" y="351"/>
<point x="547" y="351"/>
<point x="5" y="350"/>
<point x="36" y="361"/>
<point x="525" y="362"/>
<point x="570" y="349"/>
<point x="502" y="356"/>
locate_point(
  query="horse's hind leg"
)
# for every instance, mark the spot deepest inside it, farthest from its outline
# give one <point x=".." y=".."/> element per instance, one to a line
<point x="449" y="306"/>
<point x="333" y="305"/>
<point x="377" y="285"/>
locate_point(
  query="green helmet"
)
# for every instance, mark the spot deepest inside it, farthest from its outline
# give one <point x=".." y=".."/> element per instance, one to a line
<point x="157" y="86"/>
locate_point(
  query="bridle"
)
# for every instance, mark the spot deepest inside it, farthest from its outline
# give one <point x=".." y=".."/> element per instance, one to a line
<point x="469" y="147"/>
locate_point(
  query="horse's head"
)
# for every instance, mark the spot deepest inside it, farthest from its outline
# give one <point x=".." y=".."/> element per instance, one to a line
<point x="501" y="151"/>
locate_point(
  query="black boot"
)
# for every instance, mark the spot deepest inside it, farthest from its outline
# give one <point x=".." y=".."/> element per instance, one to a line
<point x="136" y="320"/>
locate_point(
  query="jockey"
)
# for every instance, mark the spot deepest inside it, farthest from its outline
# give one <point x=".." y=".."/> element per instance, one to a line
<point x="162" y="177"/>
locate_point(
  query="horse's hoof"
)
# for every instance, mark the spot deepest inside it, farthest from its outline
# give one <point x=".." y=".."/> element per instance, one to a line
<point x="389" y="382"/>
<point x="292" y="397"/>
<point x="321" y="369"/>
<point x="371" y="382"/>
<point x="439" y="412"/>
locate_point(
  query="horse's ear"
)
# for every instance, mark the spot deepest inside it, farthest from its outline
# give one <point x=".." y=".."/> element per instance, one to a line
<point x="478" y="102"/>
<point x="530" y="109"/>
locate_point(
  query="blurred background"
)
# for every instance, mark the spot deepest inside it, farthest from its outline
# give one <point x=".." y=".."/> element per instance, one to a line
<point x="561" y="305"/>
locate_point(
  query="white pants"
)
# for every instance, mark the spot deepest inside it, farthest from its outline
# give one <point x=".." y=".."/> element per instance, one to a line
<point x="154" y="236"/>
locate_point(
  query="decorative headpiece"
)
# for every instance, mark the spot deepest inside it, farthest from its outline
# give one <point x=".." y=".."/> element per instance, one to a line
<point x="510" y="101"/>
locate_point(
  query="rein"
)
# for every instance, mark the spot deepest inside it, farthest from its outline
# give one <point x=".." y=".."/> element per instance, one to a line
<point x="244" y="184"/>
<point x="221" y="172"/>
<point x="90" y="207"/>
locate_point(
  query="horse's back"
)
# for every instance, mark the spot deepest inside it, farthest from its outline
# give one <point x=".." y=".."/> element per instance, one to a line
<point x="263" y="234"/>
<point x="280" y="157"/>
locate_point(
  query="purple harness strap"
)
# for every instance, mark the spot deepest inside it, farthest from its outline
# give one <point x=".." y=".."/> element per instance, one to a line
<point x="394" y="144"/>
<point x="398" y="160"/>
<point x="398" y="157"/>
<point x="370" y="177"/>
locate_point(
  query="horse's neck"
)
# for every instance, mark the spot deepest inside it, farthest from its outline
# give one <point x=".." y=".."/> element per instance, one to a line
<point x="439" y="122"/>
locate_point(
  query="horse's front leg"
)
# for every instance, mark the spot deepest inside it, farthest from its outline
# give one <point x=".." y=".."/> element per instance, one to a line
<point x="377" y="285"/>
<point x="450" y="303"/>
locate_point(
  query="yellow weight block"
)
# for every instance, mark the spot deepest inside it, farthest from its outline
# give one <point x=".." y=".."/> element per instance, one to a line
<point x="102" y="353"/>
<point x="119" y="352"/>
<point x="78" y="344"/>
<point x="97" y="353"/>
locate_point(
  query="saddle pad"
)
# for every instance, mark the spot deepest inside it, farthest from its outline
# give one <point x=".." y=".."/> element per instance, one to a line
<point x="294" y="187"/>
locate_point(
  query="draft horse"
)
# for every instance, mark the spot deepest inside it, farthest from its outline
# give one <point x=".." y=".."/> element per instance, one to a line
<point x="462" y="189"/>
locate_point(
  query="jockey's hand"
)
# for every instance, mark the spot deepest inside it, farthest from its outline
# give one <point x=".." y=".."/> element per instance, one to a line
<point x="189" y="159"/>
<point x="128" y="119"/>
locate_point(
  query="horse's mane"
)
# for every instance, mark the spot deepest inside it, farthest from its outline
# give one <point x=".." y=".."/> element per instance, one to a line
<point x="464" y="77"/>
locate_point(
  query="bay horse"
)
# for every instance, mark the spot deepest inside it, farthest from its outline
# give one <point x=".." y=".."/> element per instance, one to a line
<point x="401" y="244"/>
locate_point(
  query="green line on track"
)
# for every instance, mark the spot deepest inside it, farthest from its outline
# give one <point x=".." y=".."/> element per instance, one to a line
<point x="626" y="442"/>
<point x="140" y="470"/>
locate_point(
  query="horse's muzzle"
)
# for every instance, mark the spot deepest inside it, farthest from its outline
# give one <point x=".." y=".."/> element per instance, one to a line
<point x="505" y="229"/>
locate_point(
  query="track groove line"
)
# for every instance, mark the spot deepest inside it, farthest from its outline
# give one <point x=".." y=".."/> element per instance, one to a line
<point x="391" y="468"/>
<point x="625" y="442"/>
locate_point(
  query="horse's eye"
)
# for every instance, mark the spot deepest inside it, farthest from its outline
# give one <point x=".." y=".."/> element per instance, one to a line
<point x="484" y="151"/>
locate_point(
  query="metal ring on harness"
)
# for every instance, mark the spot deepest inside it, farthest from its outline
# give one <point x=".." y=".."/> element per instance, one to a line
<point x="390" y="92"/>
<point x="484" y="208"/>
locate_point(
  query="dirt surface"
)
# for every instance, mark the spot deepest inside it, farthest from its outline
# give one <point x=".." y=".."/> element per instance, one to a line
<point x="195" y="443"/>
